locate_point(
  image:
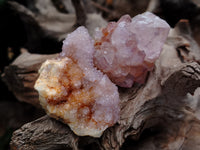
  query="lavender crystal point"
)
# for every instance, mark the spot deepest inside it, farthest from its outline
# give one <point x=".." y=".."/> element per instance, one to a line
<point x="126" y="50"/>
<point x="151" y="32"/>
<point x="72" y="90"/>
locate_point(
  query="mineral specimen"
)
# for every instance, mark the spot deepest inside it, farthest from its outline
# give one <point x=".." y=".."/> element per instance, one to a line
<point x="72" y="90"/>
<point x="126" y="50"/>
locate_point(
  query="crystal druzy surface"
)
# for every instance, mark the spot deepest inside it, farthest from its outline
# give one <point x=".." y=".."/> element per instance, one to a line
<point x="71" y="89"/>
<point x="75" y="87"/>
<point x="126" y="50"/>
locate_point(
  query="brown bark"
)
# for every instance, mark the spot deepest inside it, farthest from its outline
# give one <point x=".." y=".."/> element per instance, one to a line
<point x="157" y="115"/>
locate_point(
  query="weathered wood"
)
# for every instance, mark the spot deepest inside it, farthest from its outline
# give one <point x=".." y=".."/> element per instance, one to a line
<point x="20" y="76"/>
<point x="52" y="133"/>
<point x="45" y="25"/>
<point x="162" y="105"/>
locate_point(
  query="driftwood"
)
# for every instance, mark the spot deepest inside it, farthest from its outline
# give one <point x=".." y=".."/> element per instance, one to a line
<point x="20" y="76"/>
<point x="161" y="114"/>
<point x="46" y="26"/>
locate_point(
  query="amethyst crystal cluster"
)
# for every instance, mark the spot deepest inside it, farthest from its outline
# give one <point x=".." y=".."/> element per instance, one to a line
<point x="126" y="50"/>
<point x="79" y="86"/>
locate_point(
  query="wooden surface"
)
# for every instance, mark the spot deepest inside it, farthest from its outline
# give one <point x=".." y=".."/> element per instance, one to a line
<point x="161" y="114"/>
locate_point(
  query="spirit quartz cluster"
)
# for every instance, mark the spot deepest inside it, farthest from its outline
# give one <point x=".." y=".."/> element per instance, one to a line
<point x="76" y="87"/>
<point x="126" y="50"/>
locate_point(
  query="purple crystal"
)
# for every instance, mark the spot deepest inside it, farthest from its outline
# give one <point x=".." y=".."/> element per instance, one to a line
<point x="126" y="50"/>
<point x="73" y="90"/>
